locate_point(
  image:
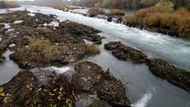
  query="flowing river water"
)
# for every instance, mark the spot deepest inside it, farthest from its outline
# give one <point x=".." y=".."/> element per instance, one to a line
<point x="142" y="88"/>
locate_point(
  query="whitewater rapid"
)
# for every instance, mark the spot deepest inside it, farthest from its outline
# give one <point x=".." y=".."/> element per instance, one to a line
<point x="174" y="50"/>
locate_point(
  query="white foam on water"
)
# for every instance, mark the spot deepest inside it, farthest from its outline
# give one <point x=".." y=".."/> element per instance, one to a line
<point x="60" y="70"/>
<point x="7" y="26"/>
<point x="80" y="11"/>
<point x="31" y="14"/>
<point x="143" y="102"/>
<point x="54" y="24"/>
<point x="18" y="22"/>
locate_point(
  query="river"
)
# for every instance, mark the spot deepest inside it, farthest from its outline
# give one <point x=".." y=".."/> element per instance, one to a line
<point x="142" y="88"/>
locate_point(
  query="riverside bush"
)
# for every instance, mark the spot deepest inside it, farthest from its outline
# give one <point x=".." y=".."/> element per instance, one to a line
<point x="116" y="12"/>
<point x="94" y="11"/>
<point x="92" y="50"/>
<point x="151" y="18"/>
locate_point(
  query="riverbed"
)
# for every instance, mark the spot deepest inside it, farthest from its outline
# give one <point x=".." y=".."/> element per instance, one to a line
<point x="142" y="88"/>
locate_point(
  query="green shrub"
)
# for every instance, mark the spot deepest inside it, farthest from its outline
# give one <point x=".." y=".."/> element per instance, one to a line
<point x="42" y="51"/>
<point x="92" y="50"/>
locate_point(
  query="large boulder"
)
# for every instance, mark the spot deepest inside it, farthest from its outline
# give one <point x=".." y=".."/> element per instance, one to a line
<point x="90" y="78"/>
<point x="36" y="88"/>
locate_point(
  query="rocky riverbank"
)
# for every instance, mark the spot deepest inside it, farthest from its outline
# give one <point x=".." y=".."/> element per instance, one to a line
<point x="39" y="87"/>
<point x="66" y="37"/>
<point x="158" y="67"/>
<point x="38" y="41"/>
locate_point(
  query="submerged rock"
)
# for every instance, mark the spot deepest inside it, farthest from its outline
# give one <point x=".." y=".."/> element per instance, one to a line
<point x="158" y="67"/>
<point x="172" y="74"/>
<point x="124" y="52"/>
<point x="90" y="78"/>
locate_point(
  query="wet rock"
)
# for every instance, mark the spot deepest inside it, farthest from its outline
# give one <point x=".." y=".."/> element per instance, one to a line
<point x="16" y="90"/>
<point x="158" y="67"/>
<point x="67" y="53"/>
<point x="76" y="28"/>
<point x="119" y="20"/>
<point x="28" y="20"/>
<point x="22" y="59"/>
<point x="26" y="90"/>
<point x="172" y="74"/>
<point x="11" y="17"/>
<point x="112" y="45"/>
<point x="79" y="30"/>
<point x="5" y="42"/>
<point x="85" y="76"/>
<point x="123" y="52"/>
<point x="109" y="19"/>
<point x="90" y="78"/>
<point x="94" y="38"/>
<point x="72" y="52"/>
<point x="42" y="18"/>
<point x="2" y="30"/>
<point x="99" y="103"/>
<point x="112" y="90"/>
<point x="2" y="58"/>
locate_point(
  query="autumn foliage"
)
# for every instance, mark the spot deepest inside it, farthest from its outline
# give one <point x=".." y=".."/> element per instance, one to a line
<point x="116" y="12"/>
<point x="164" y="20"/>
<point x="94" y="11"/>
